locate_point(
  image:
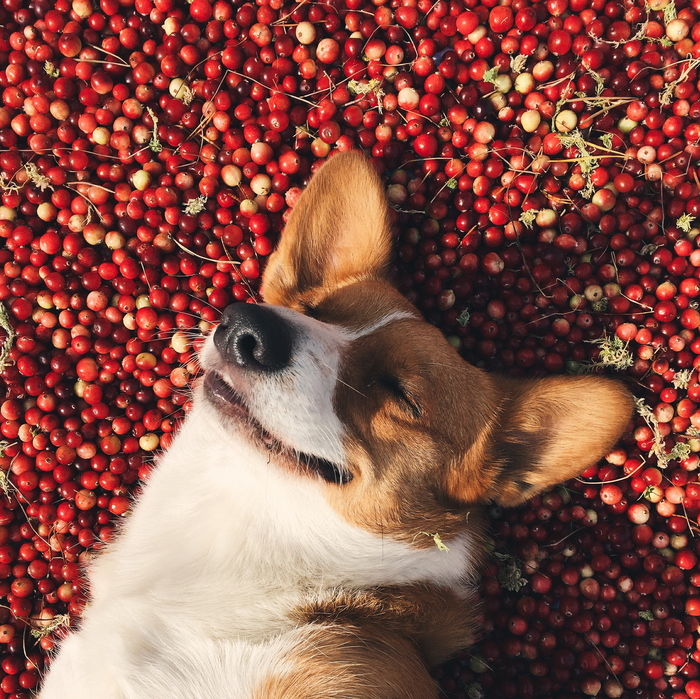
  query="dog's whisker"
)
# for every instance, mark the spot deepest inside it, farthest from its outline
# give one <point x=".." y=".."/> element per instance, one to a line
<point x="339" y="380"/>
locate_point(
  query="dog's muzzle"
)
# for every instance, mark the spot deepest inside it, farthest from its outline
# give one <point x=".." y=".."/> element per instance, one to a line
<point x="254" y="337"/>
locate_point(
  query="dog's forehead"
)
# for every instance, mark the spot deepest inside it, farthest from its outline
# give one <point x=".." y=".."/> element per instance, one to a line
<point x="372" y="324"/>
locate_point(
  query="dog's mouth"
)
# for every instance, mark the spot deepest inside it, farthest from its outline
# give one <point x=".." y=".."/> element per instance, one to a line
<point x="231" y="404"/>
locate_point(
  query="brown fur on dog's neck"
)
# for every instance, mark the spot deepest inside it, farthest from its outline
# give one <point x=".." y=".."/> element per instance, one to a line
<point x="375" y="644"/>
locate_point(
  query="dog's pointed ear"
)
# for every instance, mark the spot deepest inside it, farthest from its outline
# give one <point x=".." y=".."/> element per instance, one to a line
<point x="552" y="430"/>
<point x="547" y="431"/>
<point x="337" y="232"/>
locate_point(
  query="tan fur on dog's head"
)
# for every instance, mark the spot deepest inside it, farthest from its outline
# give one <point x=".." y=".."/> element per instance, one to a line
<point x="427" y="433"/>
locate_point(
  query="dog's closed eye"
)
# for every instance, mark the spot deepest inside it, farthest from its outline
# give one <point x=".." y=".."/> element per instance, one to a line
<point x="327" y="470"/>
<point x="308" y="309"/>
<point x="403" y="395"/>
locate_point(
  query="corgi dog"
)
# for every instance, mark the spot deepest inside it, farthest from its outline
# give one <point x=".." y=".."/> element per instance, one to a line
<point x="315" y="530"/>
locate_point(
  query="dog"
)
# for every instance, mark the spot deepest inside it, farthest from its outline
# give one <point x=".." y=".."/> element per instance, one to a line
<point x="316" y="528"/>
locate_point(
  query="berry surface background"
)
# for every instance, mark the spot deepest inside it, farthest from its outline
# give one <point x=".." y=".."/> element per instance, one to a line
<point x="541" y="160"/>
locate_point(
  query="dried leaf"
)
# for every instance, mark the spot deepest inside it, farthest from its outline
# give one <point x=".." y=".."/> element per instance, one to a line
<point x="463" y="317"/>
<point x="154" y="144"/>
<point x="613" y="353"/>
<point x="509" y="575"/>
<point x="51" y="70"/>
<point x="6" y="485"/>
<point x="527" y="218"/>
<point x="685" y="222"/>
<point x="38" y="180"/>
<point x="357" y="87"/>
<point x="490" y="75"/>
<point x="607" y="140"/>
<point x="9" y="336"/>
<point x="670" y="12"/>
<point x="437" y="539"/>
<point x="518" y="63"/>
<point x="195" y="206"/>
<point x="666" y="96"/>
<point x="682" y="378"/>
<point x="46" y="627"/>
<point x="680" y="449"/>
<point x="588" y="163"/>
<point x="599" y="81"/>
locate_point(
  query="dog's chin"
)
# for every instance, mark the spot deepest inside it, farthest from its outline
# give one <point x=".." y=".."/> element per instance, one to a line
<point x="232" y="408"/>
<point x="231" y="405"/>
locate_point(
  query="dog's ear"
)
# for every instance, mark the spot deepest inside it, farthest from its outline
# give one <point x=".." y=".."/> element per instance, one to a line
<point x="553" y="429"/>
<point x="338" y="232"/>
<point x="547" y="431"/>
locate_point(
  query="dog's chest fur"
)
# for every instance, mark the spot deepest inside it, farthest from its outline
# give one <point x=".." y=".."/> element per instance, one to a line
<point x="250" y="567"/>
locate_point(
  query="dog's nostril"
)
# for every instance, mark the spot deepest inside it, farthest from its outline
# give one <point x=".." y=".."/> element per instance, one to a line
<point x="254" y="337"/>
<point x="245" y="349"/>
<point x="262" y="348"/>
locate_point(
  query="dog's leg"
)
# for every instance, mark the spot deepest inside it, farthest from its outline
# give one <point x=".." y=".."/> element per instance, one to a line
<point x="333" y="661"/>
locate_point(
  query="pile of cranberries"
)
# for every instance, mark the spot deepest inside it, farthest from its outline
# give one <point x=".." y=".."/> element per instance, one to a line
<point x="542" y="159"/>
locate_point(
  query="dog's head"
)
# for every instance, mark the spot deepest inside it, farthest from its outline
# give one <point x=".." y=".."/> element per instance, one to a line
<point x="340" y="379"/>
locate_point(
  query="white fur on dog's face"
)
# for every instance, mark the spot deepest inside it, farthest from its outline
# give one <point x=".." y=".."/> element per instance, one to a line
<point x="296" y="404"/>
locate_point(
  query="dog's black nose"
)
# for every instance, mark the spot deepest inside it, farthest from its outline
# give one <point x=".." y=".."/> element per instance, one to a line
<point x="254" y="337"/>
